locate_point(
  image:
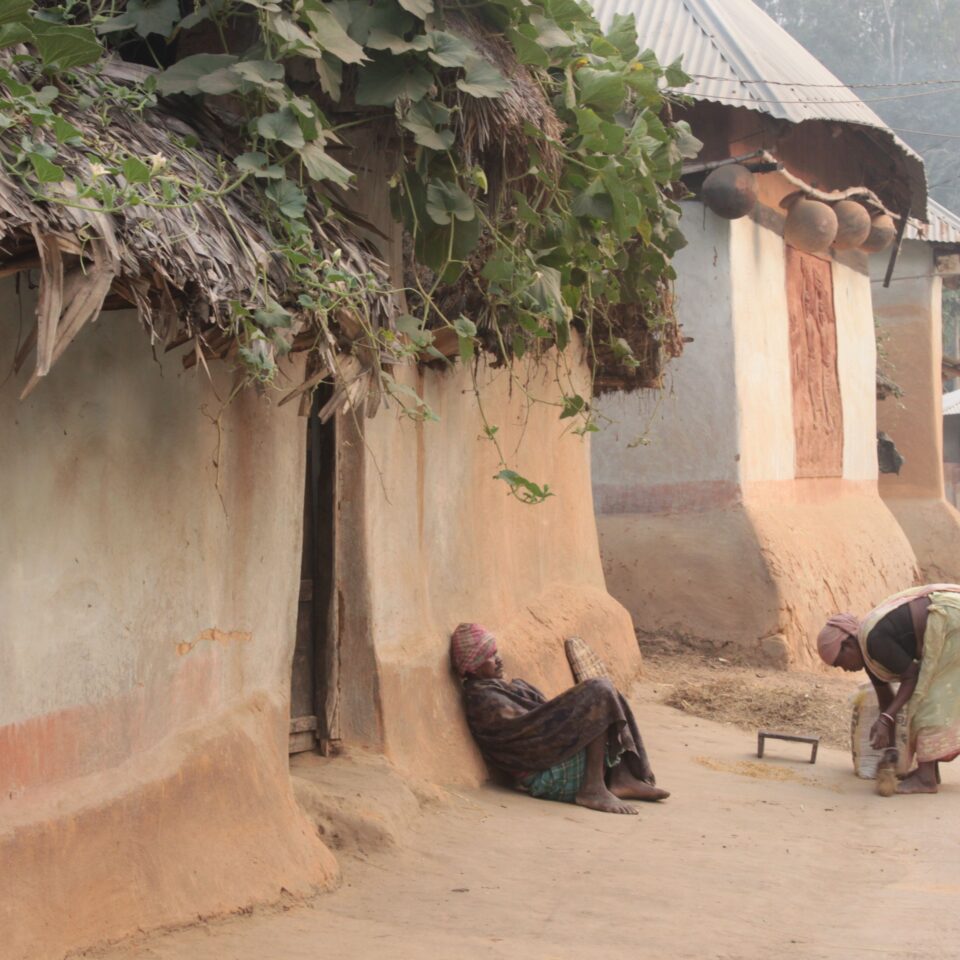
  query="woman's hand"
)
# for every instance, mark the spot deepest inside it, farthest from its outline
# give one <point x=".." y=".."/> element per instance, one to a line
<point x="881" y="733"/>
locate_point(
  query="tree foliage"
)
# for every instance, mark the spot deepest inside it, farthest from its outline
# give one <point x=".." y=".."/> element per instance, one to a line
<point x="584" y="228"/>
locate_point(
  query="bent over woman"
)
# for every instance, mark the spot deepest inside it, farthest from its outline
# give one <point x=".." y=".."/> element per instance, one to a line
<point x="912" y="637"/>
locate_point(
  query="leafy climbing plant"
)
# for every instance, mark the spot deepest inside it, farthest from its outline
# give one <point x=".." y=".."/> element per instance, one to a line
<point x="582" y="231"/>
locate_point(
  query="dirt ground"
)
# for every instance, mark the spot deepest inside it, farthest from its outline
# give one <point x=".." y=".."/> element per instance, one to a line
<point x="752" y="698"/>
<point x="748" y="859"/>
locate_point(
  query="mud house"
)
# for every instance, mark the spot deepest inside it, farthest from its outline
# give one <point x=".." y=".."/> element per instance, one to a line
<point x="951" y="446"/>
<point x="756" y="470"/>
<point x="203" y="570"/>
<point x="909" y="330"/>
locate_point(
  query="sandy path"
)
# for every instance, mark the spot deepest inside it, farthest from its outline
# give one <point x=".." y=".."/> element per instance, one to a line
<point x="747" y="860"/>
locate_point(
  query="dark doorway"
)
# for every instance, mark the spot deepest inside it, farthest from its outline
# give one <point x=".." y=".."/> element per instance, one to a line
<point x="313" y="701"/>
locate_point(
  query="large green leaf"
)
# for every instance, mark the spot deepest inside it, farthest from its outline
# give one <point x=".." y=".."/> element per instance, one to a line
<point x="389" y="78"/>
<point x="422" y="121"/>
<point x="482" y="79"/>
<point x="688" y="145"/>
<point x="601" y="89"/>
<point x="567" y="13"/>
<point x="46" y="171"/>
<point x="419" y="8"/>
<point x="524" y="40"/>
<point x="331" y="36"/>
<point x="446" y="201"/>
<point x="360" y="18"/>
<point x="675" y="76"/>
<point x="260" y="73"/>
<point x="321" y="166"/>
<point x="65" y="47"/>
<point x="281" y="125"/>
<point x="135" y="170"/>
<point x="548" y="33"/>
<point x="380" y="39"/>
<point x="466" y="330"/>
<point x="272" y="315"/>
<point x="449" y="50"/>
<point x="330" y="73"/>
<point x="219" y="82"/>
<point x="13" y="33"/>
<point x="543" y="292"/>
<point x="185" y="74"/>
<point x="289" y="198"/>
<point x="13" y="10"/>
<point x="457" y="239"/>
<point x="295" y="37"/>
<point x="623" y="35"/>
<point x="499" y="269"/>
<point x="259" y="165"/>
<point x="145" y="17"/>
<point x="66" y="132"/>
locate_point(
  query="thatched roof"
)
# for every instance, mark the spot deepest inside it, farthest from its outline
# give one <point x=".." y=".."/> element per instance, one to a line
<point x="180" y="264"/>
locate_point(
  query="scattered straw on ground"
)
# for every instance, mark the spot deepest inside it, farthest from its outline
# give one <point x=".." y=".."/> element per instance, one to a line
<point x="753" y="769"/>
<point x="809" y="704"/>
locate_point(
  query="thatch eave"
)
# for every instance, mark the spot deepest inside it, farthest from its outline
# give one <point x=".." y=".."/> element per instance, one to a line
<point x="179" y="264"/>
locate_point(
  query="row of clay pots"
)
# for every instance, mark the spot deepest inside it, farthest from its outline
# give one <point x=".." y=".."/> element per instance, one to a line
<point x="815" y="227"/>
<point x="812" y="226"/>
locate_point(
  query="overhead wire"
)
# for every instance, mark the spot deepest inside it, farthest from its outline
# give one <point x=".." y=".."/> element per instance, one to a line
<point x="824" y="101"/>
<point x="927" y="133"/>
<point x="836" y="86"/>
<point x="945" y="83"/>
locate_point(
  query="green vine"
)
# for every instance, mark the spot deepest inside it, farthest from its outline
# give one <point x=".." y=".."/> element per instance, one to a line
<point x="519" y="232"/>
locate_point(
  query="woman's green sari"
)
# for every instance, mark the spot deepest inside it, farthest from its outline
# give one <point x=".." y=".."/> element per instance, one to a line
<point x="933" y="712"/>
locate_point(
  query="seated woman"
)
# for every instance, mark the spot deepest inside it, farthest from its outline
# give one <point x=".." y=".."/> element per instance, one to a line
<point x="581" y="747"/>
<point x="912" y="637"/>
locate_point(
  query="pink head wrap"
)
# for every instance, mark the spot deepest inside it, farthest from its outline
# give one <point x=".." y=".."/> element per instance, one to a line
<point x="831" y="637"/>
<point x="471" y="645"/>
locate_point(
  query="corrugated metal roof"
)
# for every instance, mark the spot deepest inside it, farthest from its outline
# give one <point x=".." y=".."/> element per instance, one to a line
<point x="951" y="403"/>
<point x="741" y="57"/>
<point x="943" y="226"/>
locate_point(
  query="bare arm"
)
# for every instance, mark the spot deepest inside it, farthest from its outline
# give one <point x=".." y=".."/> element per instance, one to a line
<point x="882" y="732"/>
<point x="883" y="690"/>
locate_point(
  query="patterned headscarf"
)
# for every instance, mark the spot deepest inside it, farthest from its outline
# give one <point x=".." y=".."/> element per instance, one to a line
<point x="470" y="645"/>
<point x="831" y="637"/>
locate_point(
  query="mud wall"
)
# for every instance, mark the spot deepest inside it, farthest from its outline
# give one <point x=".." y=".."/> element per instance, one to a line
<point x="444" y="542"/>
<point x="148" y="592"/>
<point x="666" y="472"/>
<point x="677" y="449"/>
<point x="752" y="569"/>
<point x="909" y="328"/>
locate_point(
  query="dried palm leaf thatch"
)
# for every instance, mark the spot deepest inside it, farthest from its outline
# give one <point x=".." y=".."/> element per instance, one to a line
<point x="180" y="259"/>
<point x="496" y="134"/>
<point x="652" y="346"/>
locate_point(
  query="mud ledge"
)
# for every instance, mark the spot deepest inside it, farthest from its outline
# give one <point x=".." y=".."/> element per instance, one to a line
<point x="203" y="825"/>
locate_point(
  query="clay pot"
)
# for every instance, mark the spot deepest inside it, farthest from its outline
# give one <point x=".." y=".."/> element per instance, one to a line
<point x="730" y="191"/>
<point x="882" y="232"/>
<point x="854" y="224"/>
<point x="811" y="226"/>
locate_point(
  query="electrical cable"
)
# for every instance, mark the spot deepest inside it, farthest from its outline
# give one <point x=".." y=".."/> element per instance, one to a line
<point x="837" y="86"/>
<point x="857" y="101"/>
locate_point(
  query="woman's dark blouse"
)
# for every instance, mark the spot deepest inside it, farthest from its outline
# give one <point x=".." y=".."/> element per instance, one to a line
<point x="892" y="641"/>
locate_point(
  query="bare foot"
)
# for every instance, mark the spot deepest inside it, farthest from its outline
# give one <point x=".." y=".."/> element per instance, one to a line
<point x="603" y="800"/>
<point x="916" y="784"/>
<point x="626" y="786"/>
